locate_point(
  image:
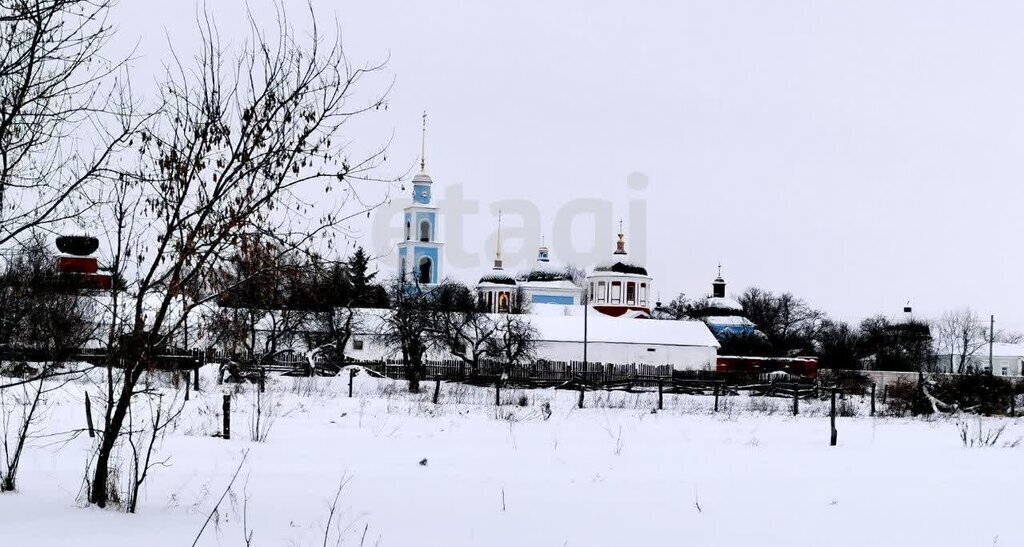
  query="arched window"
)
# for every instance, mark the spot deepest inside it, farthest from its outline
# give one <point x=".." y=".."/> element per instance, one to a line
<point x="503" y="302"/>
<point x="424" y="272"/>
<point x="401" y="268"/>
<point x="408" y="230"/>
<point x="424" y="231"/>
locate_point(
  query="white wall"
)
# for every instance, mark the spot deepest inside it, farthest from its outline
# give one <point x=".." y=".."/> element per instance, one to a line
<point x="681" y="357"/>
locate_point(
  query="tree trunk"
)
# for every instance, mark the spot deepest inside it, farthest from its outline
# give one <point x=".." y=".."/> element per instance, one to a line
<point x="413" y="370"/>
<point x="111" y="432"/>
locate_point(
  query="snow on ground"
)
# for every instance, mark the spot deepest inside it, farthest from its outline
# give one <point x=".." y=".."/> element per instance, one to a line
<point x="613" y="473"/>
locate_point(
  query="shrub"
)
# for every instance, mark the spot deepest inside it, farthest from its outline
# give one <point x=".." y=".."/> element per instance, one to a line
<point x="981" y="393"/>
<point x="903" y="397"/>
<point x="850" y="381"/>
<point x="980" y="436"/>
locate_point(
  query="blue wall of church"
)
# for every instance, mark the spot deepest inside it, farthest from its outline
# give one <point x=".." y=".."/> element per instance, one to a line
<point x="421" y="193"/>
<point x="549" y="299"/>
<point x="429" y="252"/>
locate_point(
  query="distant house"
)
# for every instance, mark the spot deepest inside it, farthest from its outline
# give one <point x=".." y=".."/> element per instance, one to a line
<point x="1007" y="360"/>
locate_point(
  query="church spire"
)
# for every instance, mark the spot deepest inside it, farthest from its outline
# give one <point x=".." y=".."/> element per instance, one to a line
<point x="423" y="145"/>
<point x="497" y="246"/>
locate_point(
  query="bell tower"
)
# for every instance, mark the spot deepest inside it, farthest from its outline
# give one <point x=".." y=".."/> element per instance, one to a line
<point x="421" y="253"/>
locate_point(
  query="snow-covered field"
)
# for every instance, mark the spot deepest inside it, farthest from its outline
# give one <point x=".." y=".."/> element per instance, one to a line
<point x="614" y="474"/>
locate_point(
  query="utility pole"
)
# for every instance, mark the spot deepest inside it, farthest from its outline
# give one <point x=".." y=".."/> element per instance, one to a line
<point x="586" y="313"/>
<point x="991" y="339"/>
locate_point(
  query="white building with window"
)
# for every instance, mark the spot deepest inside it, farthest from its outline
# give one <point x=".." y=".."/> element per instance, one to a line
<point x="1007" y="360"/>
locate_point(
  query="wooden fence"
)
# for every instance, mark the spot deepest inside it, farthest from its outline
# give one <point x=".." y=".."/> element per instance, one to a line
<point x="538" y="373"/>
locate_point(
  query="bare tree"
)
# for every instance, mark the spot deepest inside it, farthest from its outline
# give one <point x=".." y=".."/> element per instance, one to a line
<point x="45" y="323"/>
<point x="679" y="308"/>
<point x="789" y="322"/>
<point x="960" y="335"/>
<point x="238" y="145"/>
<point x="515" y="342"/>
<point x="461" y="325"/>
<point x="63" y="115"/>
<point x="1008" y="337"/>
<point x="144" y="434"/>
<point x="406" y="327"/>
<point x="267" y="297"/>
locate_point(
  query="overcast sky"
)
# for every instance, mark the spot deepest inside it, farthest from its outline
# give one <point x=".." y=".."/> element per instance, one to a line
<point x="859" y="154"/>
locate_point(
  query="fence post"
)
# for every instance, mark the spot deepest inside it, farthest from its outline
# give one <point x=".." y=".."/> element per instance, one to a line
<point x="661" y="400"/>
<point x="581" y="395"/>
<point x="718" y="389"/>
<point x="227" y="416"/>
<point x="796" y="400"/>
<point x="195" y="378"/>
<point x="885" y="392"/>
<point x="497" y="392"/>
<point x="832" y="414"/>
<point x="88" y="415"/>
<point x="437" y="389"/>
<point x="263" y="379"/>
<point x="351" y="375"/>
<point x="188" y="385"/>
<point x="872" y="399"/>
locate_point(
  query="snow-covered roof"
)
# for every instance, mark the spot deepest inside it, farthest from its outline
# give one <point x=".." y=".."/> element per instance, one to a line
<point x="1006" y="350"/>
<point x="620" y="264"/>
<point x="601" y="328"/>
<point x="544" y="271"/>
<point x="496" y="277"/>
<point x="554" y="325"/>
<point x="729" y="320"/>
<point x="723" y="303"/>
<point x="999" y="349"/>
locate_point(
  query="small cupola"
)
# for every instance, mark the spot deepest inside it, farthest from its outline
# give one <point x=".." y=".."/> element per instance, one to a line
<point x="543" y="253"/>
<point x="620" y="245"/>
<point x="718" y="285"/>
